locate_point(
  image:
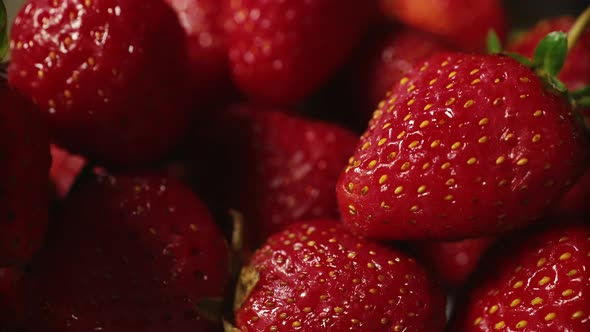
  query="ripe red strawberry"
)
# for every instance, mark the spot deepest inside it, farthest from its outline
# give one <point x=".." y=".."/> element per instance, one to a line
<point x="108" y="75"/>
<point x="576" y="70"/>
<point x="281" y="51"/>
<point x="453" y="262"/>
<point x="314" y="276"/>
<point x="24" y="176"/>
<point x="465" y="145"/>
<point x="386" y="61"/>
<point x="539" y="284"/>
<point x="203" y="24"/>
<point x="65" y="168"/>
<point x="285" y="166"/>
<point x="12" y="299"/>
<point x="463" y="22"/>
<point x="131" y="253"/>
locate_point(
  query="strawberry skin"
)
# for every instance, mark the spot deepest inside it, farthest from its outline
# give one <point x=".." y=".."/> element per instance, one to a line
<point x="65" y="168"/>
<point x="24" y="177"/>
<point x="453" y="262"/>
<point x="314" y="276"/>
<point x="202" y="21"/>
<point x="130" y="253"/>
<point x="464" y="146"/>
<point x="540" y="284"/>
<point x="281" y="51"/>
<point x="576" y="69"/>
<point x="463" y="22"/>
<point x="12" y="299"/>
<point x="387" y="60"/>
<point x="90" y="67"/>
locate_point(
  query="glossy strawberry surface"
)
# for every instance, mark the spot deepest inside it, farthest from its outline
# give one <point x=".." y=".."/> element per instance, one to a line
<point x="539" y="284"/>
<point x="314" y="276"/>
<point x="129" y="253"/>
<point x="24" y="177"/>
<point x="281" y="51"/>
<point x="91" y="68"/>
<point x="464" y="145"/>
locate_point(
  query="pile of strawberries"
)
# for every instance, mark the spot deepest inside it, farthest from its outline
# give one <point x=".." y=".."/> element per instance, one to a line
<point x="206" y="165"/>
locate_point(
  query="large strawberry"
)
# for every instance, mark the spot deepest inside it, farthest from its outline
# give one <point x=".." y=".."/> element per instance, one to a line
<point x="130" y="253"/>
<point x="284" y="167"/>
<point x="539" y="283"/>
<point x="108" y="75"/>
<point x="314" y="276"/>
<point x="464" y="145"/>
<point x="392" y="53"/>
<point x="12" y="299"/>
<point x="24" y="177"/>
<point x="462" y="22"/>
<point x="281" y="51"/>
<point x="203" y="24"/>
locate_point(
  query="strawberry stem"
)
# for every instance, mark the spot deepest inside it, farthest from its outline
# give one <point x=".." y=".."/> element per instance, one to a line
<point x="578" y="28"/>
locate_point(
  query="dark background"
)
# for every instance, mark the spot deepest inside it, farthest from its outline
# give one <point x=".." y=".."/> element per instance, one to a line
<point x="524" y="13"/>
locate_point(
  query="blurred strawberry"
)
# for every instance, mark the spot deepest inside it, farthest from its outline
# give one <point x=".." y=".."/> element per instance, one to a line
<point x="453" y="262"/>
<point x="464" y="23"/>
<point x="130" y="253"/>
<point x="108" y="75"/>
<point x="12" y="299"/>
<point x="24" y="177"/>
<point x="282" y="51"/>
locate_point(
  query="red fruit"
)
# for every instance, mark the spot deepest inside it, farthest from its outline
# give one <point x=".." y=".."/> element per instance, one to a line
<point x="453" y="262"/>
<point x="65" y="168"/>
<point x="464" y="146"/>
<point x="108" y="75"/>
<point x="287" y="166"/>
<point x="203" y="24"/>
<point x="465" y="23"/>
<point x="389" y="58"/>
<point x="314" y="276"/>
<point x="12" y="299"/>
<point x="539" y="284"/>
<point x="281" y="51"/>
<point x="24" y="151"/>
<point x="576" y="69"/>
<point x="131" y="253"/>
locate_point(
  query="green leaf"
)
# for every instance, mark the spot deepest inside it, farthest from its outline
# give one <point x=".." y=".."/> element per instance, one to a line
<point x="3" y="31"/>
<point x="494" y="43"/>
<point x="583" y="102"/>
<point x="520" y="58"/>
<point x="551" y="52"/>
<point x="581" y="92"/>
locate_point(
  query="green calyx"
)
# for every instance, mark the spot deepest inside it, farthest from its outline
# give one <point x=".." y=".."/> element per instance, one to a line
<point x="3" y="31"/>
<point x="549" y="58"/>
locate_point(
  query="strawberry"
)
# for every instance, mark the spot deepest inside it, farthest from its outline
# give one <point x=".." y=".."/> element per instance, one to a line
<point x="12" y="299"/>
<point x="203" y="24"/>
<point x="314" y="276"/>
<point x="539" y="283"/>
<point x="65" y="168"/>
<point x="90" y="66"/>
<point x="281" y="51"/>
<point x="465" y="23"/>
<point x="24" y="148"/>
<point x="576" y="69"/>
<point x="286" y="166"/>
<point x="464" y="146"/>
<point x="130" y="253"/>
<point x="453" y="262"/>
<point x="392" y="54"/>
